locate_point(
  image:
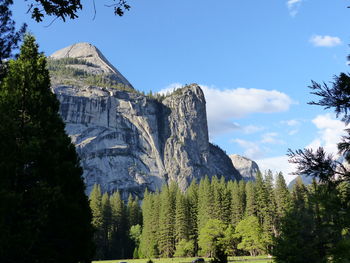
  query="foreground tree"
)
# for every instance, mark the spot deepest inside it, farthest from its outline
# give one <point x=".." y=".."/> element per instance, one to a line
<point x="9" y="37"/>
<point x="250" y="233"/>
<point x="44" y="213"/>
<point x="329" y="200"/>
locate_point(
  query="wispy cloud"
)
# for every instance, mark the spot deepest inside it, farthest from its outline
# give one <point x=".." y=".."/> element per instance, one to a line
<point x="293" y="6"/>
<point x="291" y="123"/>
<point x="223" y="106"/>
<point x="271" y="138"/>
<point x="292" y="126"/>
<point x="325" y="41"/>
<point x="251" y="149"/>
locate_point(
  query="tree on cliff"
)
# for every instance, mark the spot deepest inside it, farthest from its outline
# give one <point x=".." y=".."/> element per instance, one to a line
<point x="44" y="213"/>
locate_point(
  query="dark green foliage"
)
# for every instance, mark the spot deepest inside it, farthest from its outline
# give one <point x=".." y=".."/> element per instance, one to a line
<point x="150" y="215"/>
<point x="326" y="210"/>
<point x="97" y="220"/>
<point x="220" y="255"/>
<point x="297" y="241"/>
<point x="172" y="219"/>
<point x="237" y="208"/>
<point x="251" y="206"/>
<point x="63" y="9"/>
<point x="44" y="213"/>
<point x="9" y="37"/>
<point x="166" y="241"/>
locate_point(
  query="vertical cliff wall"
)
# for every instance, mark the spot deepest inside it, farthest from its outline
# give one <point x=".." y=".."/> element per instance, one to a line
<point x="128" y="141"/>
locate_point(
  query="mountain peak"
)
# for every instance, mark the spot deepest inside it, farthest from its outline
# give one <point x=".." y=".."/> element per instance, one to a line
<point x="90" y="53"/>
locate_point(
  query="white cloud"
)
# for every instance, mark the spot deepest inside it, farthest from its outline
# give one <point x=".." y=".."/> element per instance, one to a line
<point x="329" y="134"/>
<point x="278" y="164"/>
<point x="252" y="149"/>
<point x="225" y="105"/>
<point x="249" y="129"/>
<point x="293" y="6"/>
<point x="293" y="132"/>
<point x="325" y="41"/>
<point x="270" y="138"/>
<point x="291" y="123"/>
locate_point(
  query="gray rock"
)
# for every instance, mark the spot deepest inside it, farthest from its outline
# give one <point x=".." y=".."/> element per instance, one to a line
<point x="93" y="55"/>
<point x="246" y="167"/>
<point x="128" y="141"/>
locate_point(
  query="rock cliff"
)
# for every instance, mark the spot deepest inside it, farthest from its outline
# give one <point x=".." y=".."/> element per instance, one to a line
<point x="246" y="167"/>
<point x="129" y="141"/>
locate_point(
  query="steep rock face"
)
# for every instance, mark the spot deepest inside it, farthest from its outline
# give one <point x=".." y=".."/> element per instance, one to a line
<point x="246" y="167"/>
<point x="129" y="142"/>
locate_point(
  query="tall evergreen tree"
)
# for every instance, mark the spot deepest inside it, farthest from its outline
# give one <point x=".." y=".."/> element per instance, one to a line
<point x="119" y="229"/>
<point x="192" y="197"/>
<point x="297" y="240"/>
<point x="134" y="211"/>
<point x="251" y="205"/>
<point x="282" y="200"/>
<point x="222" y="200"/>
<point x="205" y="202"/>
<point x="150" y="230"/>
<point x="44" y="213"/>
<point x="269" y="227"/>
<point x="9" y="37"/>
<point x="106" y="225"/>
<point x="182" y="217"/>
<point x="97" y="220"/>
<point x="237" y="201"/>
<point x="166" y="241"/>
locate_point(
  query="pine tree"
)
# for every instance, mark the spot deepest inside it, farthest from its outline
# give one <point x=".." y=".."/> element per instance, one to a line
<point x="149" y="236"/>
<point x="97" y="220"/>
<point x="192" y="197"/>
<point x="297" y="241"/>
<point x="268" y="226"/>
<point x="106" y="225"/>
<point x="44" y="212"/>
<point x="134" y="211"/>
<point x="205" y="202"/>
<point x="221" y="200"/>
<point x="251" y="206"/>
<point x="282" y="200"/>
<point x="237" y="201"/>
<point x="166" y="241"/>
<point x="261" y="197"/>
<point x="9" y="38"/>
<point x="182" y="216"/>
<point x="119" y="228"/>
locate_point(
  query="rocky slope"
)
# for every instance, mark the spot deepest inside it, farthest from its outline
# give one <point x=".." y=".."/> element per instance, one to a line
<point x="129" y="141"/>
<point x="246" y="167"/>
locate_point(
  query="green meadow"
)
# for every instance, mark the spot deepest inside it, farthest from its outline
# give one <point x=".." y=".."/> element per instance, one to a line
<point x="246" y="259"/>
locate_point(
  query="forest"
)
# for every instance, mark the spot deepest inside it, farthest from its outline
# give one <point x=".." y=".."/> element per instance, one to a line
<point x="214" y="217"/>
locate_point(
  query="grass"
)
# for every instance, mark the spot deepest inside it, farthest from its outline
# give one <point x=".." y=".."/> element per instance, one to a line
<point x="245" y="259"/>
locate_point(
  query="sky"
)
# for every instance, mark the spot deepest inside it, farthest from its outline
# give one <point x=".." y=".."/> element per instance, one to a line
<point x="253" y="59"/>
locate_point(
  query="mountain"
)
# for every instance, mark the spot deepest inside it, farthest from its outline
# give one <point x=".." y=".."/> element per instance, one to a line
<point x="246" y="167"/>
<point x="307" y="180"/>
<point x="92" y="62"/>
<point x="128" y="141"/>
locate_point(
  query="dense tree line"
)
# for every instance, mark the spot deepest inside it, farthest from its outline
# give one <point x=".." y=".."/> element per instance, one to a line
<point x="117" y="224"/>
<point x="210" y="217"/>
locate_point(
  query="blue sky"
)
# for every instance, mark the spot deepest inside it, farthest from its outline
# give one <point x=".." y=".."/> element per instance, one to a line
<point x="254" y="60"/>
